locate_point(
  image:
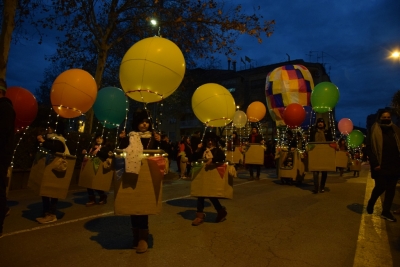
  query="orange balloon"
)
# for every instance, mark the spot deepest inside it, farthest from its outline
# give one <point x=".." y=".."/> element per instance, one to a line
<point x="73" y="92"/>
<point x="256" y="111"/>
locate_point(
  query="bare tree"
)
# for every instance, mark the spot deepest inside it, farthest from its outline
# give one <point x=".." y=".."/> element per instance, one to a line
<point x="200" y="28"/>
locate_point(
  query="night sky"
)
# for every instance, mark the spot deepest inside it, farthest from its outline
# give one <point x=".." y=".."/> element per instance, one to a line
<point x="354" y="40"/>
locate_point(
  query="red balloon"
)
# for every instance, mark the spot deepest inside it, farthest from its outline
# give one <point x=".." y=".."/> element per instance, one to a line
<point x="25" y="106"/>
<point x="294" y="115"/>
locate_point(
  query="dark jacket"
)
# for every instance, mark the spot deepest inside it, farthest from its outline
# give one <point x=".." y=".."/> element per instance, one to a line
<point x="167" y="147"/>
<point x="103" y="151"/>
<point x="218" y="154"/>
<point x="194" y="141"/>
<point x="53" y="145"/>
<point x="390" y="166"/>
<point x="7" y="120"/>
<point x="258" y="139"/>
<point x="188" y="152"/>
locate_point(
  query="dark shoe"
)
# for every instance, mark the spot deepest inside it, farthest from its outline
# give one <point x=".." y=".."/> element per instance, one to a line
<point x="397" y="212"/>
<point x="388" y="217"/>
<point x="199" y="219"/>
<point x="315" y="191"/>
<point x="370" y="209"/>
<point x="221" y="216"/>
<point x="257" y="178"/>
<point x="322" y="190"/>
<point x="103" y="199"/>
<point x="91" y="202"/>
<point x="142" y="244"/>
<point x="251" y="178"/>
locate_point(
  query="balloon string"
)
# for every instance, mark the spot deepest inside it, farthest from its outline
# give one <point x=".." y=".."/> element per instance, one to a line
<point x="205" y="129"/>
<point x="23" y="134"/>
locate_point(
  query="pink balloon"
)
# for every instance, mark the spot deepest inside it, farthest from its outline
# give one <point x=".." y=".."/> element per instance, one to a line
<point x="345" y="126"/>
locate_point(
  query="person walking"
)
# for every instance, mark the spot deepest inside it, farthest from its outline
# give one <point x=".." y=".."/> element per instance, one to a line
<point x="213" y="155"/>
<point x="54" y="142"/>
<point x="342" y="147"/>
<point x="254" y="138"/>
<point x="141" y="129"/>
<point x="319" y="133"/>
<point x="102" y="151"/>
<point x="383" y="149"/>
<point x="7" y="120"/>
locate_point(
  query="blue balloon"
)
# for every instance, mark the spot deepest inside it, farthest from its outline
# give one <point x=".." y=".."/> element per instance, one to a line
<point x="110" y="106"/>
<point x="306" y="123"/>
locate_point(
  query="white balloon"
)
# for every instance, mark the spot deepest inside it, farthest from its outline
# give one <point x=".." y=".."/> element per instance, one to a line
<point x="239" y="119"/>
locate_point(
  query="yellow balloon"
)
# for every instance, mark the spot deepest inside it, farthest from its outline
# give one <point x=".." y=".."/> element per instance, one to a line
<point x="256" y="111"/>
<point x="213" y="104"/>
<point x="73" y="92"/>
<point x="152" y="69"/>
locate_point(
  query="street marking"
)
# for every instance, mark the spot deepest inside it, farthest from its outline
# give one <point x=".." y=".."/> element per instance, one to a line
<point x="372" y="244"/>
<point x="87" y="217"/>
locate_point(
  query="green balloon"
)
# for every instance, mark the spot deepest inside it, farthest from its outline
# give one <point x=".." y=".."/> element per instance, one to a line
<point x="324" y="97"/>
<point x="355" y="138"/>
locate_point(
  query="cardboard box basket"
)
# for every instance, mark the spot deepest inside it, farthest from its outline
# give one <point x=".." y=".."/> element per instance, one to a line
<point x="298" y="168"/>
<point x="139" y="194"/>
<point x="235" y="156"/>
<point x="211" y="181"/>
<point x="355" y="165"/>
<point x="255" y="154"/>
<point x="94" y="176"/>
<point x="45" y="180"/>
<point x="342" y="159"/>
<point x="321" y="156"/>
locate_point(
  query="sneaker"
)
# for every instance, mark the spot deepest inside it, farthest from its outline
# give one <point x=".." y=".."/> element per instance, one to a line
<point x="221" y="216"/>
<point x="388" y="217"/>
<point x="322" y="190"/>
<point x="49" y="218"/>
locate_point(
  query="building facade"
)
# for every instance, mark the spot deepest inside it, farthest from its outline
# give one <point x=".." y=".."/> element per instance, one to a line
<point x="246" y="86"/>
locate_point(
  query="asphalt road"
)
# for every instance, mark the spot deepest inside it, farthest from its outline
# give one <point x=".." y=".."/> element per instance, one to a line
<point x="268" y="224"/>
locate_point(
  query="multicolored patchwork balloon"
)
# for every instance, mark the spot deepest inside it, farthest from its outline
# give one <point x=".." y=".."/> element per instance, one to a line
<point x="285" y="85"/>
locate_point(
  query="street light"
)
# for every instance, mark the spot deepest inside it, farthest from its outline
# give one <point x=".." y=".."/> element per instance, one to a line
<point x="394" y="55"/>
<point x="154" y="22"/>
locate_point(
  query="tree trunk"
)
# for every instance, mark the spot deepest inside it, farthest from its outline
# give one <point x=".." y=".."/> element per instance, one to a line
<point x="8" y="24"/>
<point x="101" y="63"/>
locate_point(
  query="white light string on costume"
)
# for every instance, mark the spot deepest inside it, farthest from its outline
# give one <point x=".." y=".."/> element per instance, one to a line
<point x="16" y="147"/>
<point x="332" y="124"/>
<point x="77" y="144"/>
<point x="68" y="136"/>
<point x="205" y="129"/>
<point x="260" y="130"/>
<point x="94" y="136"/>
